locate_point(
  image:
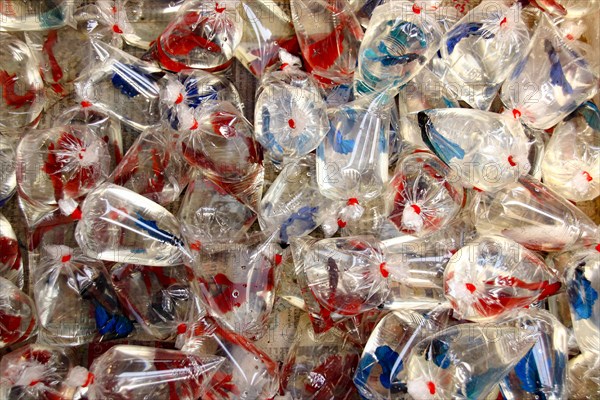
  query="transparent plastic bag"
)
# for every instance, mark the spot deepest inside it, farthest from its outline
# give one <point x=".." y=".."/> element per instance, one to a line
<point x="551" y="81"/>
<point x="25" y="15"/>
<point x="18" y="319"/>
<point x="493" y="276"/>
<point x="290" y="114"/>
<point x="320" y="365"/>
<point x="531" y="214"/>
<point x="22" y="87"/>
<point x="571" y="163"/>
<point x="329" y="36"/>
<point x="481" y="50"/>
<point x="237" y="281"/>
<point x="247" y="372"/>
<point x="153" y="167"/>
<point x="122" y="226"/>
<point x="203" y="34"/>
<point x="127" y="372"/>
<point x="75" y="299"/>
<point x="121" y="85"/>
<point x="8" y="177"/>
<point x="293" y="204"/>
<point x="35" y="371"/>
<point x="267" y="29"/>
<point x="11" y="262"/>
<point x="422" y="196"/>
<point x="56" y="167"/>
<point x="400" y="40"/>
<point x="157" y="297"/>
<point x="493" y="153"/>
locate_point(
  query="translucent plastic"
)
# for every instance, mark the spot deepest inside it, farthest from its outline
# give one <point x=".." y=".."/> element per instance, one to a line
<point x="571" y="164"/>
<point x="8" y="178"/>
<point x="106" y="127"/>
<point x="35" y="371"/>
<point x="121" y="85"/>
<point x="63" y="54"/>
<point x="464" y="361"/>
<point x="553" y="79"/>
<point x="582" y="282"/>
<point x="135" y="372"/>
<point x="378" y="372"/>
<point x="203" y="34"/>
<point x="484" y="150"/>
<point x="493" y="276"/>
<point x="153" y="167"/>
<point x="74" y="298"/>
<point x="11" y="263"/>
<point x="267" y="29"/>
<point x="543" y="371"/>
<point x="247" y="372"/>
<point x="57" y="166"/>
<point x="238" y="280"/>
<point x="190" y="89"/>
<point x="400" y="40"/>
<point x="293" y="203"/>
<point x="584" y="378"/>
<point x="320" y="366"/>
<point x="329" y="36"/>
<point x="422" y="197"/>
<point x="481" y="50"/>
<point x="533" y="215"/>
<point x="17" y="315"/>
<point x="137" y="21"/>
<point x="157" y="297"/>
<point x="25" y="15"/>
<point x="207" y="212"/>
<point x="344" y="274"/>
<point x="221" y="143"/>
<point x="290" y="115"/>
<point x="122" y="226"/>
<point x="21" y="84"/>
<point x="352" y="160"/>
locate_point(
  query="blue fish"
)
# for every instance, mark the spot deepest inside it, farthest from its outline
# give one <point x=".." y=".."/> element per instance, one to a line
<point x="582" y="295"/>
<point x="388" y="61"/>
<point x="53" y="17"/>
<point x="157" y="233"/>
<point x="519" y="67"/>
<point x="437" y="353"/>
<point x="463" y="31"/>
<point x="365" y="365"/>
<point x="341" y="145"/>
<point x="527" y="372"/>
<point x="270" y="141"/>
<point x="387" y="358"/>
<point x="368" y="7"/>
<point x="557" y="75"/>
<point x="130" y="79"/>
<point x="407" y="31"/>
<point x="591" y="114"/>
<point x="303" y="218"/>
<point x="477" y="383"/>
<point x="193" y="98"/>
<point x="442" y="147"/>
<point x="117" y="326"/>
<point x="448" y="103"/>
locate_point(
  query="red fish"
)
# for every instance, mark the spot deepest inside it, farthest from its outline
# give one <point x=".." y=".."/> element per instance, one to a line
<point x="332" y="379"/>
<point x="324" y="52"/>
<point x="10" y="255"/>
<point x="9" y="94"/>
<point x="48" y="48"/>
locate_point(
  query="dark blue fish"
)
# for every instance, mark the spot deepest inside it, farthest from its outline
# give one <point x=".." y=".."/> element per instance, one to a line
<point x="463" y="31"/>
<point x="437" y="352"/>
<point x="557" y="75"/>
<point x="115" y="326"/>
<point x="130" y="79"/>
<point x="157" y="233"/>
<point x="387" y="358"/>
<point x="519" y="67"/>
<point x="590" y="112"/>
<point x="527" y="372"/>
<point x="303" y="220"/>
<point x="442" y="147"/>
<point x="582" y="295"/>
<point x="193" y="96"/>
<point x="341" y="145"/>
